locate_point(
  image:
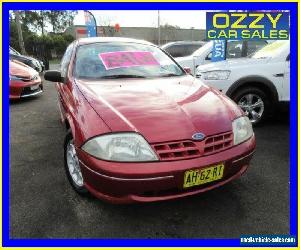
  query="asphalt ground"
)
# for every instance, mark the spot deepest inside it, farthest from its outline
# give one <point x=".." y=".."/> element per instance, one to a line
<point x="43" y="204"/>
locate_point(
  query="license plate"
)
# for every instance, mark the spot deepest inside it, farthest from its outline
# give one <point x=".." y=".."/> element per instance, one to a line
<point x="34" y="87"/>
<point x="201" y="176"/>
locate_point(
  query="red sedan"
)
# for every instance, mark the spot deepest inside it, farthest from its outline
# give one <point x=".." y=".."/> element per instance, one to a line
<point x="140" y="129"/>
<point x="23" y="81"/>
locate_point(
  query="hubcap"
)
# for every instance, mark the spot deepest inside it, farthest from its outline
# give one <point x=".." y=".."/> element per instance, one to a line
<point x="73" y="164"/>
<point x="253" y="106"/>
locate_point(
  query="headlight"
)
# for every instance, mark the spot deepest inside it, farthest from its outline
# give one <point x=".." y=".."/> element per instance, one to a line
<point x="215" y="75"/>
<point x="242" y="129"/>
<point x="123" y="147"/>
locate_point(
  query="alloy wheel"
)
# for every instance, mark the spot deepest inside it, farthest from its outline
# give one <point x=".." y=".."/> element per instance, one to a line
<point x="253" y="106"/>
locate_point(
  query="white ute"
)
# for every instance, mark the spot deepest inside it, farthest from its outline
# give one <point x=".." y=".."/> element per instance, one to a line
<point x="257" y="84"/>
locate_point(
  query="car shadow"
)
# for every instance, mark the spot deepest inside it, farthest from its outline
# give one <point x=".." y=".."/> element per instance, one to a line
<point x="24" y="100"/>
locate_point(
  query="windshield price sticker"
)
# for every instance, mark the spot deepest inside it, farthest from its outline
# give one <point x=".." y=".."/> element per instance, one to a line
<point x="247" y="25"/>
<point x="125" y="59"/>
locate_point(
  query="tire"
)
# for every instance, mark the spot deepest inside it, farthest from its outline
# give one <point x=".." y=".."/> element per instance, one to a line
<point x="254" y="102"/>
<point x="77" y="185"/>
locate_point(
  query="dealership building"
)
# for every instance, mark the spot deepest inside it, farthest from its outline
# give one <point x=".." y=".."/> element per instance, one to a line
<point x="167" y="33"/>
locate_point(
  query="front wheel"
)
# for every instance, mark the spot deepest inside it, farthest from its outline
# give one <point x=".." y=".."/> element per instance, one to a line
<point x="72" y="166"/>
<point x="254" y="103"/>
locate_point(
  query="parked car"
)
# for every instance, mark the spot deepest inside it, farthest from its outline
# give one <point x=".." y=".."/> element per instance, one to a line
<point x="24" y="81"/>
<point x="235" y="49"/>
<point x="140" y="129"/>
<point x="31" y="62"/>
<point x="257" y="84"/>
<point x="182" y="48"/>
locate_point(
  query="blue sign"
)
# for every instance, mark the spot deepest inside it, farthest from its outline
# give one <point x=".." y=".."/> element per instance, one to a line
<point x="247" y="25"/>
<point x="219" y="50"/>
<point x="90" y="22"/>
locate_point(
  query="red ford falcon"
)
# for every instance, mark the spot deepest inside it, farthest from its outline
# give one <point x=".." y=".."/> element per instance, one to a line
<point x="23" y="81"/>
<point x="140" y="129"/>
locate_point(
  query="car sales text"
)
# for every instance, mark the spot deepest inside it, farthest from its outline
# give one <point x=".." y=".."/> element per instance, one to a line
<point x="248" y="26"/>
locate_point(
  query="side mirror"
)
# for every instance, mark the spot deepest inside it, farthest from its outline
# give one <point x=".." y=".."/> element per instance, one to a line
<point x="187" y="70"/>
<point x="53" y="76"/>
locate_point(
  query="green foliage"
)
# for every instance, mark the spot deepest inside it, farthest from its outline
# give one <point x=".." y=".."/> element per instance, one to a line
<point x="55" y="21"/>
<point x="13" y="38"/>
<point x="36" y="22"/>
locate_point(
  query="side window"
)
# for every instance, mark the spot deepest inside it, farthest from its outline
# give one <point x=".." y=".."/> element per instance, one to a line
<point x="190" y="49"/>
<point x="234" y="49"/>
<point x="253" y="46"/>
<point x="66" y="60"/>
<point x="176" y="50"/>
<point x="171" y="50"/>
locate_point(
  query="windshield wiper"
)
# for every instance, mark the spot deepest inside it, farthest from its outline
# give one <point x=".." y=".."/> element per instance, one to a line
<point x="169" y="75"/>
<point x="121" y="76"/>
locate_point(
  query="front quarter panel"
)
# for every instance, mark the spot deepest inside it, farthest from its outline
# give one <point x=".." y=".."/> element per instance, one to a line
<point x="83" y="120"/>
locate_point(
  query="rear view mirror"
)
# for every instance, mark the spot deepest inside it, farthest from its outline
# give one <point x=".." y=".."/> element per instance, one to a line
<point x="53" y="76"/>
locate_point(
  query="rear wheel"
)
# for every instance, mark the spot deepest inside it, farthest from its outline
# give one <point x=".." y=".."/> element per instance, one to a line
<point x="254" y="102"/>
<point x="72" y="166"/>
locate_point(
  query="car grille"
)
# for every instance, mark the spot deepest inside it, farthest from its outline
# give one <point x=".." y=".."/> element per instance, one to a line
<point x="188" y="149"/>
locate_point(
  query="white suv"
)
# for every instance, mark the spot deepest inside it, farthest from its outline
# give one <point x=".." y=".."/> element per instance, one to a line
<point x="258" y="83"/>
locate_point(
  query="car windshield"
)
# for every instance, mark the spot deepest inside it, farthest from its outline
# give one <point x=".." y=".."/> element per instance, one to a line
<point x="122" y="60"/>
<point x="270" y="50"/>
<point x="13" y="51"/>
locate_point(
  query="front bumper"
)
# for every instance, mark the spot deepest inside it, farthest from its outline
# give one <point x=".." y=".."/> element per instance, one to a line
<point x="20" y="89"/>
<point x="153" y="181"/>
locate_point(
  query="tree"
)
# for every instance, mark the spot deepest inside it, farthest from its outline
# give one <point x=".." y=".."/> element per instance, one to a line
<point x="19" y="30"/>
<point x="48" y="20"/>
<point x="60" y="19"/>
<point x="13" y="33"/>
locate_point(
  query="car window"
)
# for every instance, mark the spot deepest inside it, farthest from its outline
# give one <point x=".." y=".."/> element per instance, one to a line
<point x="13" y="51"/>
<point x="192" y="48"/>
<point x="253" y="46"/>
<point x="176" y="50"/>
<point x="234" y="49"/>
<point x="106" y="60"/>
<point x="181" y="50"/>
<point x="66" y="60"/>
<point x="272" y="49"/>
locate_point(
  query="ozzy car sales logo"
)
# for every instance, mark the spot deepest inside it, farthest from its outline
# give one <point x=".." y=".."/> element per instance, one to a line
<point x="247" y="25"/>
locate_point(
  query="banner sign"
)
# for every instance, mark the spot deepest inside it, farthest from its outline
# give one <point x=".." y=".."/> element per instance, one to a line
<point x="90" y="23"/>
<point x="219" y="50"/>
<point x="247" y="25"/>
<point x="125" y="59"/>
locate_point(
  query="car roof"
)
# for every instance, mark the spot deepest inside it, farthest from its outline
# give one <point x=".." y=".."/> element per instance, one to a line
<point x="90" y="40"/>
<point x="183" y="42"/>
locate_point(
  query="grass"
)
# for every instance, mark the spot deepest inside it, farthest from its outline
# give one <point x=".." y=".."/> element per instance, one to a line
<point x="55" y="61"/>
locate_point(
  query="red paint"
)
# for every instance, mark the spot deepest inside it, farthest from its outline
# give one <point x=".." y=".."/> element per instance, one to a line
<point x="117" y="27"/>
<point x="163" y="110"/>
<point x="19" y="87"/>
<point x="81" y="31"/>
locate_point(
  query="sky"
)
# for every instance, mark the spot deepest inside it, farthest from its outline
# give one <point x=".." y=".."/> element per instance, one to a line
<point x="147" y="18"/>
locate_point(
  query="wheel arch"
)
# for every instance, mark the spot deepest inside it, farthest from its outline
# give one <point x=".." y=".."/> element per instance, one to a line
<point x="69" y="125"/>
<point x="255" y="81"/>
